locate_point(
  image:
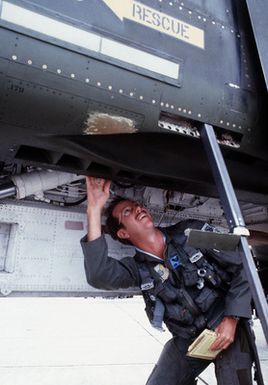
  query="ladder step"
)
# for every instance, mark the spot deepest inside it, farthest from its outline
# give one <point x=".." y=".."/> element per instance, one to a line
<point x="210" y="240"/>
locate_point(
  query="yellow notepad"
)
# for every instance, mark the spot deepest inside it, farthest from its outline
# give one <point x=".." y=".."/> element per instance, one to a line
<point x="200" y="347"/>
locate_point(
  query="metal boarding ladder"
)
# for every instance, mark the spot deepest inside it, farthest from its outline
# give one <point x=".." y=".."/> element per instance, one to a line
<point x="238" y="231"/>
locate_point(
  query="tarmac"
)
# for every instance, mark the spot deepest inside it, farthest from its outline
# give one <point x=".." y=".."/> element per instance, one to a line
<point x="84" y="341"/>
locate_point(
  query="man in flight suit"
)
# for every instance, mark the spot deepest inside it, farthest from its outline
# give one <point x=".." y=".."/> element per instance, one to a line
<point x="169" y="271"/>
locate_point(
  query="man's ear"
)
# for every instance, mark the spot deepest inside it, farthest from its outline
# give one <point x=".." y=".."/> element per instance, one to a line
<point x="122" y="233"/>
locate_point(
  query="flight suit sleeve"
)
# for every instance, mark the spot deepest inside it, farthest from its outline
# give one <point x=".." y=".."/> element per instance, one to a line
<point x="104" y="272"/>
<point x="238" y="298"/>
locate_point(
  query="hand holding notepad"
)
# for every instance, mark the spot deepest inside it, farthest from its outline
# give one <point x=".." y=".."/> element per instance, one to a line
<point x="200" y="347"/>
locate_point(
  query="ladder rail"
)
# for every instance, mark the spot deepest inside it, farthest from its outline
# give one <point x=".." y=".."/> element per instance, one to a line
<point x="234" y="219"/>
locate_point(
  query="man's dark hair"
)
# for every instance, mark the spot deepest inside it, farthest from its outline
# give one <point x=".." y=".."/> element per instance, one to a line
<point x="112" y="223"/>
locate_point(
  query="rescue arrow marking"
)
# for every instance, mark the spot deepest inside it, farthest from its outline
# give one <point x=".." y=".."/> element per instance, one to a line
<point x="151" y="18"/>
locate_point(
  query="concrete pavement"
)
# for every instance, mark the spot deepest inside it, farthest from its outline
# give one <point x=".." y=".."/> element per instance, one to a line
<point x="77" y="341"/>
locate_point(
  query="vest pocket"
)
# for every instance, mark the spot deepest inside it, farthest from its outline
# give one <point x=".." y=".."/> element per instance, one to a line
<point x="206" y="298"/>
<point x="179" y="313"/>
<point x="190" y="275"/>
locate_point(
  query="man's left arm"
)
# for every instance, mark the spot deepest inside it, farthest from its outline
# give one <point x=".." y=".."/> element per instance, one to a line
<point x="237" y="305"/>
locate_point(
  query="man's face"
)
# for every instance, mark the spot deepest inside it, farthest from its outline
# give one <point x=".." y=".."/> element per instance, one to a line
<point x="134" y="218"/>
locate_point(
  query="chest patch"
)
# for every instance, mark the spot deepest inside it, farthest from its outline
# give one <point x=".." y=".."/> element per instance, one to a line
<point x="162" y="271"/>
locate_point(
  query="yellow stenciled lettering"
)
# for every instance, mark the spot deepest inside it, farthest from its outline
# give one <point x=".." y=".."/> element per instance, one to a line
<point x="166" y="23"/>
<point x="184" y="29"/>
<point x="156" y="19"/>
<point x="175" y="26"/>
<point x="147" y="15"/>
<point x="137" y="11"/>
<point x="179" y="28"/>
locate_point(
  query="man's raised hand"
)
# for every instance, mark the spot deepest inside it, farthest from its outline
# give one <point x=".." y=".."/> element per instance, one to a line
<point x="98" y="190"/>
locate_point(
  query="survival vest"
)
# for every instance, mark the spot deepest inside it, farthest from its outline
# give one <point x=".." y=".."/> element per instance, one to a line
<point x="186" y="290"/>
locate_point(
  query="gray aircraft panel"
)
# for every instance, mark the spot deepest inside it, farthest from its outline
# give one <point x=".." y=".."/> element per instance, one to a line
<point x="46" y="253"/>
<point x="40" y="249"/>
